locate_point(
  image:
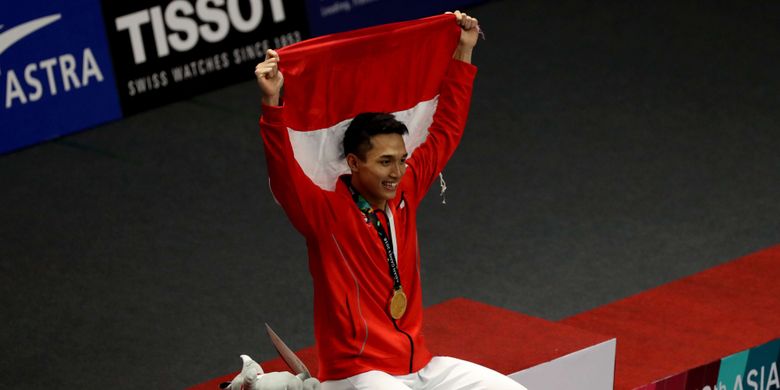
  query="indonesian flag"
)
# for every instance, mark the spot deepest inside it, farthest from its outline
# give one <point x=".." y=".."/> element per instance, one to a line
<point x="395" y="68"/>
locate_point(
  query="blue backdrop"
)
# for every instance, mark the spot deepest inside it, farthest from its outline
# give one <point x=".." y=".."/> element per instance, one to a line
<point x="55" y="69"/>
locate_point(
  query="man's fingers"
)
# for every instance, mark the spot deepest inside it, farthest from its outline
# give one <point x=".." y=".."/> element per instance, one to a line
<point x="268" y="64"/>
<point x="270" y="61"/>
<point x="266" y="73"/>
<point x="471" y="23"/>
<point x="467" y="22"/>
<point x="267" y="68"/>
<point x="464" y="20"/>
<point x="262" y="71"/>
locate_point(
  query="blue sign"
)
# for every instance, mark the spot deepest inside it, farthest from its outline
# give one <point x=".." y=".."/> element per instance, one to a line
<point x="330" y="16"/>
<point x="55" y="71"/>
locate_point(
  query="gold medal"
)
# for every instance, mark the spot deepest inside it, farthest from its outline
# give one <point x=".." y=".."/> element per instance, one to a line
<point x="398" y="304"/>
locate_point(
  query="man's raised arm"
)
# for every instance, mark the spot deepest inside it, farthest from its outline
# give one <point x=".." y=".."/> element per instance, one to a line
<point x="428" y="160"/>
<point x="300" y="198"/>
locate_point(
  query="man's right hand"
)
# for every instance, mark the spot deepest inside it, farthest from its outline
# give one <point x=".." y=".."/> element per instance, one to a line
<point x="269" y="78"/>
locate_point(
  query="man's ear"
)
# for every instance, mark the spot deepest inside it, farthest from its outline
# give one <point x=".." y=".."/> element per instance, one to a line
<point x="352" y="161"/>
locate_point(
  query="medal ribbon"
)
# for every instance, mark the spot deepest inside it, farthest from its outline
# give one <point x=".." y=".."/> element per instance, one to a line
<point x="366" y="208"/>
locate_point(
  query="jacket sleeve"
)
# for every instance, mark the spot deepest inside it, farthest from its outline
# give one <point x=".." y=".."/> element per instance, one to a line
<point x="429" y="159"/>
<point x="302" y="200"/>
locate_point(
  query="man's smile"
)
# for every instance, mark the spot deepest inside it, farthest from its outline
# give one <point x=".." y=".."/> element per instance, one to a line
<point x="390" y="185"/>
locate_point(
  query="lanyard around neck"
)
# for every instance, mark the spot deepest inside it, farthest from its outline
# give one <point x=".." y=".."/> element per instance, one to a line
<point x="370" y="213"/>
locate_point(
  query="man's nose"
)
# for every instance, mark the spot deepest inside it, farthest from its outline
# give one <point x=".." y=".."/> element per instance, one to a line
<point x="397" y="170"/>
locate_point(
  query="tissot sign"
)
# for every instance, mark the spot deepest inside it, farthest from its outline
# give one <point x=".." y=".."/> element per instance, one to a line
<point x="163" y="51"/>
<point x="55" y="71"/>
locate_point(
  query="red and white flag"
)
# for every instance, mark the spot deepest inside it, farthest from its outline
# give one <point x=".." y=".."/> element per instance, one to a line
<point x="395" y="68"/>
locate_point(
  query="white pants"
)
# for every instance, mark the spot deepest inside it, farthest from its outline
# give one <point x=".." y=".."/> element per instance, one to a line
<point x="441" y="373"/>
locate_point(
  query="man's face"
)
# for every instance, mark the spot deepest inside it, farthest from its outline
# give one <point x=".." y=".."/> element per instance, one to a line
<point x="377" y="176"/>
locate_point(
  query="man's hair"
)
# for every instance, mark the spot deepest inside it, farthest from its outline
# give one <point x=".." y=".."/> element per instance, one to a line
<point x="357" y="139"/>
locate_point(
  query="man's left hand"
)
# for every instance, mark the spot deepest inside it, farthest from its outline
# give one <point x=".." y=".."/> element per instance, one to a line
<point x="469" y="30"/>
<point x="468" y="36"/>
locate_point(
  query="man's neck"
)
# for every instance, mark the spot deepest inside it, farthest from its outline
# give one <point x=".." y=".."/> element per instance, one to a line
<point x="375" y="204"/>
<point x="378" y="206"/>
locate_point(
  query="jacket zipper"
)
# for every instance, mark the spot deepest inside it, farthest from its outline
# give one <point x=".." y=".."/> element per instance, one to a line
<point x="411" y="344"/>
<point x="395" y="323"/>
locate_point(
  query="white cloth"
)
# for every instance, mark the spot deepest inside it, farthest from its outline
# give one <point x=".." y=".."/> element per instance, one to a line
<point x="441" y="373"/>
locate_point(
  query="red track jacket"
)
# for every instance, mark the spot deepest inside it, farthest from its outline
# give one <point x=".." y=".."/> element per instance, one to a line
<point x="352" y="284"/>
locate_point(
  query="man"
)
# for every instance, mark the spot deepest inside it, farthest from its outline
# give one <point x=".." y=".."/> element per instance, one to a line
<point x="362" y="237"/>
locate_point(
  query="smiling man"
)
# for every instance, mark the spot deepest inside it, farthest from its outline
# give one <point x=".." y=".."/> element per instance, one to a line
<point x="362" y="237"/>
<point x="376" y="155"/>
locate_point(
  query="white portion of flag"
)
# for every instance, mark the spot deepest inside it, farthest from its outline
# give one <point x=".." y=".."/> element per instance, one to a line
<point x="319" y="151"/>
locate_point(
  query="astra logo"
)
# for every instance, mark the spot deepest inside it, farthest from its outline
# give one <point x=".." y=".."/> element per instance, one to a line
<point x="8" y="38"/>
<point x="180" y="26"/>
<point x="68" y="70"/>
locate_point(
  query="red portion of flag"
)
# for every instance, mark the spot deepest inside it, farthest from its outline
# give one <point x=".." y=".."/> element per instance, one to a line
<point x="385" y="68"/>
